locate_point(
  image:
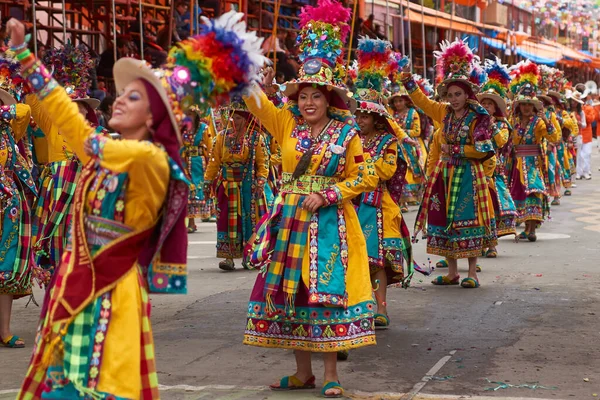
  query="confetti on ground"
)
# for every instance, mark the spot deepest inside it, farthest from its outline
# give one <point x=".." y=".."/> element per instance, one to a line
<point x="442" y="378"/>
<point x="532" y="386"/>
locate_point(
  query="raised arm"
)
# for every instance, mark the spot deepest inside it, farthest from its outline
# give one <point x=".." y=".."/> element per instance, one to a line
<point x="435" y="110"/>
<point x="277" y="121"/>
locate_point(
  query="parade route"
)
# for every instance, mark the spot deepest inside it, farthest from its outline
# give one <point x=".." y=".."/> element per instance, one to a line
<point x="529" y="332"/>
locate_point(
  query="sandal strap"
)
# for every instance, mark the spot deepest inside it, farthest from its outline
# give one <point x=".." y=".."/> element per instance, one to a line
<point x="11" y="341"/>
<point x="332" y="385"/>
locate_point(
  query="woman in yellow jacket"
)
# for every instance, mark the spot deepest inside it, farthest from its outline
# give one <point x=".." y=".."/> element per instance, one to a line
<point x="315" y="292"/>
<point x="237" y="171"/>
<point x="388" y="239"/>
<point x="527" y="173"/>
<point x="129" y="235"/>
<point x="457" y="207"/>
<point x="16" y="193"/>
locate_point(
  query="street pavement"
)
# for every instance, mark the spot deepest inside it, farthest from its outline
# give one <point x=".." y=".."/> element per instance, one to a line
<point x="530" y="331"/>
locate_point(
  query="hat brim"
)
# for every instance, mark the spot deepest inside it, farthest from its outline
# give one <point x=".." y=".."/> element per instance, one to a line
<point x="371" y="107"/>
<point x="291" y="88"/>
<point x="546" y="97"/>
<point x="127" y="70"/>
<point x="443" y="86"/>
<point x="500" y="102"/>
<point x="90" y="101"/>
<point x="6" y="98"/>
<point x="536" y="103"/>
<point x="555" y="95"/>
<point x="390" y="99"/>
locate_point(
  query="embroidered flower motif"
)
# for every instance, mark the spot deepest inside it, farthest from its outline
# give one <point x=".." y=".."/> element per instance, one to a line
<point x="341" y="330"/>
<point x="327" y="314"/>
<point x="286" y="328"/>
<point x="314" y="314"/>
<point x="365" y="324"/>
<point x="256" y="308"/>
<point x="262" y="326"/>
<point x="160" y="281"/>
<point x="101" y="194"/>
<point x="120" y="205"/>
<point x="99" y="337"/>
<point x="317" y="331"/>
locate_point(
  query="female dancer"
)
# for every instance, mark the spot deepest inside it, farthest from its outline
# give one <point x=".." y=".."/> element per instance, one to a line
<point x="456" y="207"/>
<point x="315" y="293"/>
<point x="239" y="167"/>
<point x="16" y="190"/>
<point x="528" y="183"/>
<point x="493" y="99"/>
<point x="129" y="235"/>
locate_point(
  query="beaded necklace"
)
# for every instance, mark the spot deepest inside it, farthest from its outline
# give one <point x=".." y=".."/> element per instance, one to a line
<point x="456" y="128"/>
<point x="525" y="133"/>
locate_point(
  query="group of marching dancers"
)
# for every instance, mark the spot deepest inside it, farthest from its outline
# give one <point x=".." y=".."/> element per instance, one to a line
<point x="307" y="181"/>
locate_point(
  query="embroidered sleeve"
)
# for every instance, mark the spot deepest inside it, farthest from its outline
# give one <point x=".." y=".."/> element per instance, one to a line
<point x="62" y="112"/>
<point x="500" y="135"/>
<point x="262" y="160"/>
<point x="97" y="142"/>
<point x="214" y="160"/>
<point x="40" y="80"/>
<point x="386" y="164"/>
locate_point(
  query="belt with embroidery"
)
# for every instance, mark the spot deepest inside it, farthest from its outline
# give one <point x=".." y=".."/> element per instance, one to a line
<point x="306" y="184"/>
<point x="528" y="150"/>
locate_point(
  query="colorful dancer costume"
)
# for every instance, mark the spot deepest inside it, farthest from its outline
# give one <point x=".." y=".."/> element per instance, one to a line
<point x="457" y="207"/>
<point x="569" y="130"/>
<point x="238" y="169"/>
<point x="552" y="171"/>
<point x="16" y="191"/>
<point x="60" y="173"/>
<point x="410" y="122"/>
<point x="495" y="90"/>
<point x="197" y="143"/>
<point x="129" y="216"/>
<point x="315" y="293"/>
<point x="527" y="180"/>
<point x="386" y="234"/>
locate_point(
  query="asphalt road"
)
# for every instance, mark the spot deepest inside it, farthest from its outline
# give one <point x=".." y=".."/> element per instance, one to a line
<point x="534" y="322"/>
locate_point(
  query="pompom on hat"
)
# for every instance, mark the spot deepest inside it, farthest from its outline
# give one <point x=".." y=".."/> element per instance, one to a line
<point x="524" y="84"/>
<point x="71" y="68"/>
<point x="496" y="87"/>
<point x="397" y="64"/>
<point x="456" y="63"/>
<point x="324" y="29"/>
<point x="205" y="70"/>
<point x="374" y="67"/>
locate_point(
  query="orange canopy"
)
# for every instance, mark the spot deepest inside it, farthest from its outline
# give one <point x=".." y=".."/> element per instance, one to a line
<point x="440" y="22"/>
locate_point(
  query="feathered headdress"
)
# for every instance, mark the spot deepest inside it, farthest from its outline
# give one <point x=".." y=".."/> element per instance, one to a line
<point x="324" y="30"/>
<point x="11" y="81"/>
<point x="524" y="83"/>
<point x="557" y="86"/>
<point x="205" y="70"/>
<point x="455" y="63"/>
<point x="397" y="64"/>
<point x="424" y="84"/>
<point x="496" y="87"/>
<point x="71" y="68"/>
<point x="373" y="70"/>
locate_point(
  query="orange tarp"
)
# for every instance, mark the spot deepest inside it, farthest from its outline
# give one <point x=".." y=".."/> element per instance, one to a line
<point x="440" y="22"/>
<point x="470" y="3"/>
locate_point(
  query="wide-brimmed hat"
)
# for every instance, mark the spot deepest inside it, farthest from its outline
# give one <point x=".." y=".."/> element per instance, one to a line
<point x="575" y="95"/>
<point x="496" y="85"/>
<point x="324" y="30"/>
<point x="527" y="94"/>
<point x="455" y="63"/>
<point x="6" y="98"/>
